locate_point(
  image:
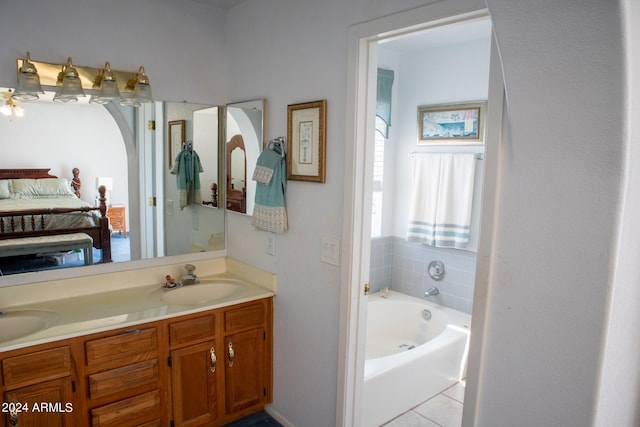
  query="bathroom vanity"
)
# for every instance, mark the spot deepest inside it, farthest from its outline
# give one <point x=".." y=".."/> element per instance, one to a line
<point x="205" y="360"/>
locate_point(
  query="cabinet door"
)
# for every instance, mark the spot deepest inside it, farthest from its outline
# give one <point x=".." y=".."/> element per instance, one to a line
<point x="193" y="385"/>
<point x="46" y="404"/>
<point x="244" y="370"/>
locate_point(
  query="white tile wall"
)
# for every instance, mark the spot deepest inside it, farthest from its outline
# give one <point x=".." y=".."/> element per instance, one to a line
<point x="402" y="266"/>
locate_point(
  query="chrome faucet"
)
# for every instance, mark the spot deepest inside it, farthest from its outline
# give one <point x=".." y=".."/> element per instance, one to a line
<point x="432" y="292"/>
<point x="190" y="278"/>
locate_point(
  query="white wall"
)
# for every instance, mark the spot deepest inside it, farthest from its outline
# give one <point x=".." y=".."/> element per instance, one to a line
<point x="619" y="388"/>
<point x="62" y="137"/>
<point x="561" y="174"/>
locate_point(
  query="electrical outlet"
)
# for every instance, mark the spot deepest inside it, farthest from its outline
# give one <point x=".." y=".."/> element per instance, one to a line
<point x="270" y="244"/>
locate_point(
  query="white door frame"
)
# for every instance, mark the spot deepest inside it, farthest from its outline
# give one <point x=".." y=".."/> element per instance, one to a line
<point x="360" y="107"/>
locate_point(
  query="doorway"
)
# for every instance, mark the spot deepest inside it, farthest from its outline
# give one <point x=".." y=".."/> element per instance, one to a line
<point x="363" y="64"/>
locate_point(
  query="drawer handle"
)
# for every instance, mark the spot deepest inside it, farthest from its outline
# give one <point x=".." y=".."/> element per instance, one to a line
<point x="13" y="417"/>
<point x="214" y="359"/>
<point x="232" y="354"/>
<point x="131" y="331"/>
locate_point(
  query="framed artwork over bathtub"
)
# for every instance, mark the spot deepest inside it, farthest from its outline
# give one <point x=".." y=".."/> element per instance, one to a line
<point x="455" y="124"/>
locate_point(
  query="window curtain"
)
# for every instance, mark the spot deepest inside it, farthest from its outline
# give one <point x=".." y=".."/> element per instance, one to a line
<point x="383" y="101"/>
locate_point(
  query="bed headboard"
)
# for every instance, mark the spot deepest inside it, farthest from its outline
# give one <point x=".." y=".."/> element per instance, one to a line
<point x="25" y="173"/>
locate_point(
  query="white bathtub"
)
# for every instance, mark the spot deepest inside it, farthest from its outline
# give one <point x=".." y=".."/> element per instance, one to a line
<point x="410" y="359"/>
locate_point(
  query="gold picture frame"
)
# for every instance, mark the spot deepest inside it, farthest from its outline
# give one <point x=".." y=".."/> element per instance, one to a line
<point x="306" y="144"/>
<point x="452" y="124"/>
<point x="176" y="139"/>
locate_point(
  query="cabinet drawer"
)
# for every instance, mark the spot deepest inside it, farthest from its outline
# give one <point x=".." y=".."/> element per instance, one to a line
<point x="37" y="367"/>
<point x="126" y="344"/>
<point x="244" y="317"/>
<point x="115" y="212"/>
<point x="137" y="410"/>
<point x="192" y="330"/>
<point x="124" y="378"/>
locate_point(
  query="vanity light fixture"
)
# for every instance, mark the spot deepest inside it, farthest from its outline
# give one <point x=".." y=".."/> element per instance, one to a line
<point x="108" y="85"/>
<point x="71" y="84"/>
<point x="139" y="85"/>
<point x="28" y="81"/>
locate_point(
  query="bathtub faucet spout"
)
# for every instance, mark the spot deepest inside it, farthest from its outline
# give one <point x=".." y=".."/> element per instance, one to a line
<point x="432" y="292"/>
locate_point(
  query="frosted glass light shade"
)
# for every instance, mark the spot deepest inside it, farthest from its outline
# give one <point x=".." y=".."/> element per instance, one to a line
<point x="141" y="90"/>
<point x="28" y="81"/>
<point x="71" y="85"/>
<point x="142" y="93"/>
<point x="108" y="88"/>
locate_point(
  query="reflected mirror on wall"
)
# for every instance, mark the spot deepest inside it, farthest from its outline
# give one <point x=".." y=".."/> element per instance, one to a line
<point x="116" y="142"/>
<point x="245" y="139"/>
<point x="206" y="124"/>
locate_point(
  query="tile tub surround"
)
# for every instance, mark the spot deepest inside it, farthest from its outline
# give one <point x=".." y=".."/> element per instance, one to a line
<point x="402" y="266"/>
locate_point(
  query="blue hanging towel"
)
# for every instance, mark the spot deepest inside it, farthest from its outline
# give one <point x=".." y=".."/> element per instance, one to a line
<point x="269" y="211"/>
<point x="187" y="169"/>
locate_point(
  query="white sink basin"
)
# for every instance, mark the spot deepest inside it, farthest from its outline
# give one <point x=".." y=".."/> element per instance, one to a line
<point x="206" y="291"/>
<point x="19" y="323"/>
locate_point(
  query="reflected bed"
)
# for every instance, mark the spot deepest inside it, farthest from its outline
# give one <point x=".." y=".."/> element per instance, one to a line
<point x="34" y="203"/>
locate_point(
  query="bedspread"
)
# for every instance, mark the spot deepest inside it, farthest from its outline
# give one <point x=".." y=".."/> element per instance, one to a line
<point x="52" y="221"/>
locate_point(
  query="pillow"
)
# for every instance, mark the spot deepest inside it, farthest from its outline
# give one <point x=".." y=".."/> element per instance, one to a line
<point x="4" y="189"/>
<point x="45" y="187"/>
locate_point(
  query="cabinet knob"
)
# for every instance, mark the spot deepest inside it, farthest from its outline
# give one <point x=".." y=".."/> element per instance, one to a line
<point x="232" y="353"/>
<point x="214" y="359"/>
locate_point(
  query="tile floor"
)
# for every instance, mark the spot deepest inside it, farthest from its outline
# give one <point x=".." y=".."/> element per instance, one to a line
<point x="444" y="410"/>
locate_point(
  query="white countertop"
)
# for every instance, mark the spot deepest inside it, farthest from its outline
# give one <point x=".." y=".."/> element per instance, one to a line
<point x="111" y="309"/>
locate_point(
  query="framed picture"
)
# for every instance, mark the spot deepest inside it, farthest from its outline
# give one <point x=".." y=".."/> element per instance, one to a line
<point x="176" y="138"/>
<point x="451" y="123"/>
<point x="306" y="127"/>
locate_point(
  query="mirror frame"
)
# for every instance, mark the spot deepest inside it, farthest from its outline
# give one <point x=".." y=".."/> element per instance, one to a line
<point x="250" y="165"/>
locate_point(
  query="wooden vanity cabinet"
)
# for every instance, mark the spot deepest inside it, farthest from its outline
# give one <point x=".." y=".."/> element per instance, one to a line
<point x="220" y="364"/>
<point x="122" y="377"/>
<point x="201" y="369"/>
<point x="40" y="381"/>
<point x="193" y="370"/>
<point x="247" y="344"/>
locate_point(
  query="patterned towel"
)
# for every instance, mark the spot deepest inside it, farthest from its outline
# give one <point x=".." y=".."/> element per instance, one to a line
<point x="270" y="212"/>
<point x="441" y="199"/>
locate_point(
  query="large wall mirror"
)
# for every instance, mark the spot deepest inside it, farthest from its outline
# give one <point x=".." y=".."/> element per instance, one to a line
<point x="245" y="138"/>
<point x="129" y="151"/>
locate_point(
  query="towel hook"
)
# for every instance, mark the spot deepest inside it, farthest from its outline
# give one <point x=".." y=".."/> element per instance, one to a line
<point x="278" y="145"/>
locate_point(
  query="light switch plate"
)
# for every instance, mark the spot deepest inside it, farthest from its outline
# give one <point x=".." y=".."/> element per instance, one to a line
<point x="196" y="221"/>
<point x="330" y="251"/>
<point x="270" y="244"/>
